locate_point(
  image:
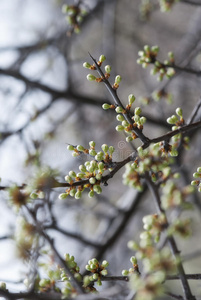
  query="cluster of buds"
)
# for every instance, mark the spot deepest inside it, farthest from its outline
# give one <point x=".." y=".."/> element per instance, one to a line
<point x="158" y="94"/>
<point x="26" y="238"/>
<point x="125" y="125"/>
<point x="17" y="197"/>
<point x="174" y="197"/>
<point x="197" y="182"/>
<point x="97" y="269"/>
<point x="148" y="56"/>
<point x="154" y="225"/>
<point x="90" y="175"/>
<point x="132" y="270"/>
<point x="180" y="227"/>
<point x="74" y="16"/>
<point x="150" y="287"/>
<point x="166" y="5"/>
<point x="178" y="121"/>
<point x="145" y="9"/>
<point x="131" y="177"/>
<point x="108" y="68"/>
<point x="72" y="265"/>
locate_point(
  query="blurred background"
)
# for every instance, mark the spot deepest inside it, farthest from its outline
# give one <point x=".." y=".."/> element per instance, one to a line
<point x="46" y="103"/>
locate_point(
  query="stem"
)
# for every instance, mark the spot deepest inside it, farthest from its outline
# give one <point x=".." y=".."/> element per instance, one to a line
<point x="171" y="241"/>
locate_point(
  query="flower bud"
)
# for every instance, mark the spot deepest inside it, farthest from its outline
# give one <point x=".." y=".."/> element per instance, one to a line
<point x="133" y="260"/>
<point x="119" y="128"/>
<point x="125" y="273"/>
<point x="97" y="189"/>
<point x="105" y="263"/>
<point x="63" y="196"/>
<point x="78" y="195"/>
<point x="92" y="152"/>
<point x="179" y="112"/>
<point x="102" y="58"/>
<point x="138" y="111"/>
<point x="117" y="79"/>
<point x="82" y="168"/>
<point x="129" y="139"/>
<point x="106" y="106"/>
<point x="86" y="65"/>
<point x="199" y="169"/>
<point x="92" y="144"/>
<point x="147" y="48"/>
<point x="105" y="148"/>
<point x="120" y="118"/>
<point x="72" y="174"/>
<point x="91" y="194"/>
<point x="91" y="77"/>
<point x="70" y="147"/>
<point x="108" y="69"/>
<point x="80" y="148"/>
<point x="119" y="109"/>
<point x="131" y="99"/>
<point x="92" y="180"/>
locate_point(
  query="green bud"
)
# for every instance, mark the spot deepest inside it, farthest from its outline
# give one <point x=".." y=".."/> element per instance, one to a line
<point x="174" y="152"/>
<point x="95" y="276"/>
<point x="105" y="148"/>
<point x="70" y="147"/>
<point x="80" y="175"/>
<point x="141" y="53"/>
<point x="80" y="148"/>
<point x="138" y="111"/>
<point x="103" y="272"/>
<point x="91" y="77"/>
<point x="108" y="69"/>
<point x="155" y="49"/>
<point x="179" y="112"/>
<point x="82" y="168"/>
<point x="73" y="192"/>
<point x="105" y="264"/>
<point x="78" y="195"/>
<point x="92" y="180"/>
<point x="101" y="165"/>
<point x="75" y="154"/>
<point x="199" y="169"/>
<point x="102" y="58"/>
<point x="133" y="260"/>
<point x="111" y="149"/>
<point x="129" y="139"/>
<point x="119" y="128"/>
<point x="34" y="196"/>
<point x="125" y="123"/>
<point x="196" y="175"/>
<point x="3" y="286"/>
<point x="86" y="65"/>
<point x="92" y="144"/>
<point x="98" y="176"/>
<point x="147" y="48"/>
<point x="119" y="110"/>
<point x="68" y="178"/>
<point x="92" y="152"/>
<point x="142" y="120"/>
<point x="106" y="106"/>
<point x="72" y="174"/>
<point x="91" y="194"/>
<point x="125" y="273"/>
<point x="195" y="182"/>
<point x="97" y="189"/>
<point x="131" y="99"/>
<point x="63" y="196"/>
<point x="43" y="282"/>
<point x="172" y="120"/>
<point x="117" y="79"/>
<point x="120" y="118"/>
<point x="65" y="8"/>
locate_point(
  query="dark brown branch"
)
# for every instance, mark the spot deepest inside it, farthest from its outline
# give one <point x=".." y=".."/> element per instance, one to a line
<point x="190" y="2"/>
<point x="186" y="288"/>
